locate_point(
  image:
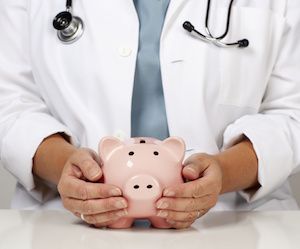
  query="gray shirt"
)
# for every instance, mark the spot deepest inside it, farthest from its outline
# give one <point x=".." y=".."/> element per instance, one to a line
<point x="148" y="115"/>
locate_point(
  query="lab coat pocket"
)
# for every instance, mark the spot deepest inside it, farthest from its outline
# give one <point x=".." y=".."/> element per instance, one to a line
<point x="242" y="79"/>
<point x="244" y="72"/>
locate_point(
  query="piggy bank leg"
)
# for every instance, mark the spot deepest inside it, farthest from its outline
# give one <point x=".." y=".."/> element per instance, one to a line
<point x="159" y="222"/>
<point x="124" y="222"/>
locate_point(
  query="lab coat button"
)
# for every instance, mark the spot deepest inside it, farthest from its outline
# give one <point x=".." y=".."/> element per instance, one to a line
<point x="125" y="51"/>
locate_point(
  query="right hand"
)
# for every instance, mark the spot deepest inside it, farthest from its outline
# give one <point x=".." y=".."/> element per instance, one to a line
<point x="83" y="194"/>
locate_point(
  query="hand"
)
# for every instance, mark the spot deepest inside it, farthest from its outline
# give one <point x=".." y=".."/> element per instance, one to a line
<point x="83" y="194"/>
<point x="181" y="205"/>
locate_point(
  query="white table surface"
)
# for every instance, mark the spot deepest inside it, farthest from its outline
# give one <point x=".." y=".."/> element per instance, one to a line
<point x="62" y="230"/>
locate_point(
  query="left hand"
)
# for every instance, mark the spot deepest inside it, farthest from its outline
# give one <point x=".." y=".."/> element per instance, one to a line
<point x="182" y="204"/>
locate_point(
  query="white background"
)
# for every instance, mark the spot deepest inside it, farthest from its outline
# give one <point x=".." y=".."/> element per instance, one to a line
<point x="7" y="185"/>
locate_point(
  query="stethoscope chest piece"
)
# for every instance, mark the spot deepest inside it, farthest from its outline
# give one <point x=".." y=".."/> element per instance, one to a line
<point x="69" y="28"/>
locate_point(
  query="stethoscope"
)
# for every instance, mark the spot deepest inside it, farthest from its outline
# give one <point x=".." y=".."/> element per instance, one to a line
<point x="243" y="43"/>
<point x="70" y="28"/>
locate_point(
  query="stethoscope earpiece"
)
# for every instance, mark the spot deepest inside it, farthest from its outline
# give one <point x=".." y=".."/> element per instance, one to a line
<point x="69" y="28"/>
<point x="243" y="43"/>
<point x="188" y="26"/>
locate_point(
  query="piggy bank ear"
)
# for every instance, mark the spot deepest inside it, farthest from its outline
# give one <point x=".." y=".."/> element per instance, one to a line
<point x="107" y="145"/>
<point x="176" y="146"/>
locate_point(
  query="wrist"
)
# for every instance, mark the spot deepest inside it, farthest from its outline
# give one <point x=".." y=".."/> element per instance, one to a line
<point x="51" y="156"/>
<point x="239" y="166"/>
<point x="220" y="161"/>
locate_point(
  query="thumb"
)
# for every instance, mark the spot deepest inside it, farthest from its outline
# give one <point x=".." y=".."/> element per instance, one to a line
<point x="91" y="169"/>
<point x="194" y="166"/>
<point x="87" y="164"/>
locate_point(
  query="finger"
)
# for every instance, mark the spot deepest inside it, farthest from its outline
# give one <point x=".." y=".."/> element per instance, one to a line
<point x="89" y="207"/>
<point x="106" y="217"/>
<point x="186" y="204"/>
<point x="86" y="163"/>
<point x="79" y="189"/>
<point x="195" y="165"/>
<point x="105" y="224"/>
<point x="179" y="216"/>
<point x="179" y="225"/>
<point x="193" y="189"/>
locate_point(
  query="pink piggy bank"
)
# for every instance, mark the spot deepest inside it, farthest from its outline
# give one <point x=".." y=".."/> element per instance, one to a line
<point x="142" y="167"/>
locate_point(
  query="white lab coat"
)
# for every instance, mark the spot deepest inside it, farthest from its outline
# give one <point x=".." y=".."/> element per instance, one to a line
<point x="213" y="95"/>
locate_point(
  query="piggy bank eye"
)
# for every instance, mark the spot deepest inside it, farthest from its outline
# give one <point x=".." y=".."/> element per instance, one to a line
<point x="149" y="186"/>
<point x="131" y="153"/>
<point x="142" y="141"/>
<point x="136" y="186"/>
<point x="155" y="153"/>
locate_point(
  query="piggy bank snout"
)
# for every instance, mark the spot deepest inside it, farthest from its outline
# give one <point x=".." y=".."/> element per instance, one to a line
<point x="142" y="187"/>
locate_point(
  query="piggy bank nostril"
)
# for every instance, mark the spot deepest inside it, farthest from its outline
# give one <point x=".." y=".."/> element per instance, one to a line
<point x="142" y="141"/>
<point x="149" y="186"/>
<point x="155" y="153"/>
<point x="131" y="153"/>
<point x="136" y="186"/>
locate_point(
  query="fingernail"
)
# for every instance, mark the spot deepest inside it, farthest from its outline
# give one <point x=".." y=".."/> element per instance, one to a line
<point x="120" y="204"/>
<point x="162" y="204"/>
<point x="122" y="213"/>
<point x="162" y="214"/>
<point x="94" y="172"/>
<point x="115" y="192"/>
<point x="169" y="193"/>
<point x="191" y="169"/>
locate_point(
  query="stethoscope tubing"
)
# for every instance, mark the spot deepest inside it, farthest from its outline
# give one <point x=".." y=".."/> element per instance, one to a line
<point x="227" y="21"/>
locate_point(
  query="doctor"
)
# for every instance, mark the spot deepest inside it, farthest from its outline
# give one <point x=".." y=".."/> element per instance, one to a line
<point x="135" y="71"/>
